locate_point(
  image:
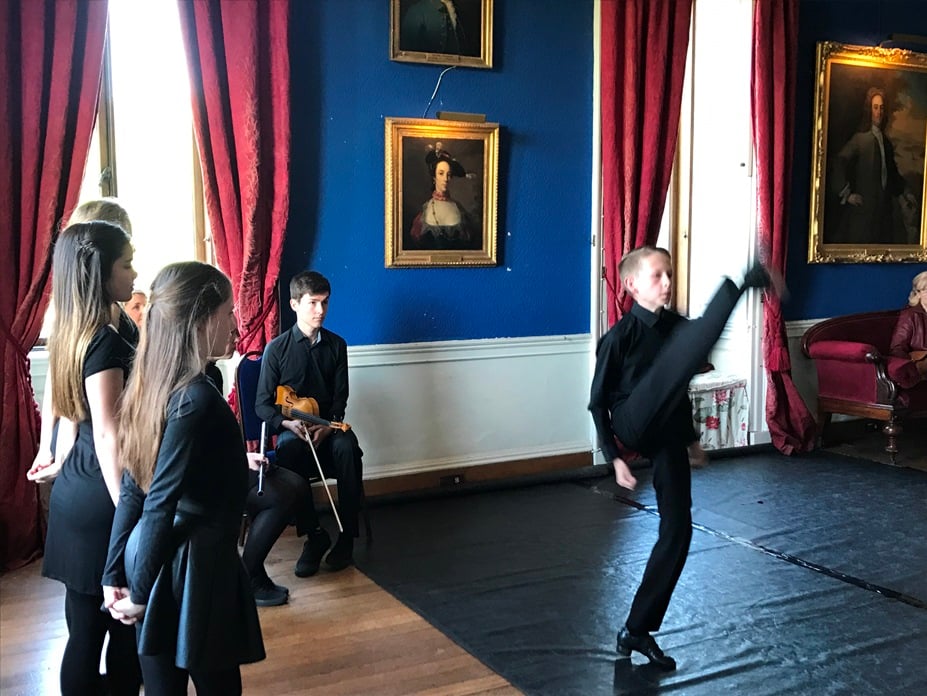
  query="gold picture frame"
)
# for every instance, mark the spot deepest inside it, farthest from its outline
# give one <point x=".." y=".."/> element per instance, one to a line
<point x="441" y="189"/>
<point x="868" y="156"/>
<point x="448" y="32"/>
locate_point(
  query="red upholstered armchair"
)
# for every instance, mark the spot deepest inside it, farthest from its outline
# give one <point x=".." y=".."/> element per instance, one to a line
<point x="858" y="377"/>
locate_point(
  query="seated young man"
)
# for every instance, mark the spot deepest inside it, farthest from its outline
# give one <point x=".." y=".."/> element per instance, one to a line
<point x="313" y="362"/>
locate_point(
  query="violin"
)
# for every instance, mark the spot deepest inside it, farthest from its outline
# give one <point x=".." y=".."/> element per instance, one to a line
<point x="304" y="408"/>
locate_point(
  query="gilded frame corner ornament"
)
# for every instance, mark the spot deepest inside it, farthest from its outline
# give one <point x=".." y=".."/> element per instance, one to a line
<point x="868" y="158"/>
<point x="467" y="236"/>
<point x="422" y="31"/>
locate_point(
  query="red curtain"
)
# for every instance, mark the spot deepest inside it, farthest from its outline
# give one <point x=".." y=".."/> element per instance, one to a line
<point x="775" y="49"/>
<point x="238" y="58"/>
<point x="644" y="44"/>
<point x="51" y="58"/>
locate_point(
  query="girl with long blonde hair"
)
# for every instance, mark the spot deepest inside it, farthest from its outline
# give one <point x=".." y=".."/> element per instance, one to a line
<point x="173" y="564"/>
<point x="88" y="361"/>
<point x="58" y="433"/>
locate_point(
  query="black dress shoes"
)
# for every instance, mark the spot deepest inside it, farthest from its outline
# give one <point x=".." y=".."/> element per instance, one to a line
<point x="317" y="543"/>
<point x="646" y="646"/>
<point x="268" y="594"/>
<point x="341" y="555"/>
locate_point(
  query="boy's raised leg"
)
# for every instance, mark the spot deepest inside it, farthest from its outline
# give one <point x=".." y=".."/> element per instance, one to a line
<point x="682" y="356"/>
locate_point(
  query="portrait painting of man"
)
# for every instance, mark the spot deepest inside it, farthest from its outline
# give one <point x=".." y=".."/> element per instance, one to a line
<point x="876" y="170"/>
<point x="869" y="153"/>
<point x="450" y="32"/>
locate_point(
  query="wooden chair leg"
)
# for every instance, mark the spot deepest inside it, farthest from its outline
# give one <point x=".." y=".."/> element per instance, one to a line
<point x="892" y="429"/>
<point x="823" y="422"/>
<point x="366" y="515"/>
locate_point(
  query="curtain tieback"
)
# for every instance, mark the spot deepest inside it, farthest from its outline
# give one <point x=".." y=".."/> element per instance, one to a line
<point x="24" y="354"/>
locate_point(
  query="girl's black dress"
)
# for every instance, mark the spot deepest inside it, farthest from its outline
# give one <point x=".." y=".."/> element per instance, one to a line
<point x="80" y="513"/>
<point x="176" y="547"/>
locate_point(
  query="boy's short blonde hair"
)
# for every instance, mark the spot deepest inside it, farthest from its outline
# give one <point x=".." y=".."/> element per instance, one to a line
<point x="631" y="262"/>
<point x="105" y="209"/>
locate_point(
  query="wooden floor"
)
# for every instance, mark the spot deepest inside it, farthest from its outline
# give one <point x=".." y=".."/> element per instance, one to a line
<point x="339" y="634"/>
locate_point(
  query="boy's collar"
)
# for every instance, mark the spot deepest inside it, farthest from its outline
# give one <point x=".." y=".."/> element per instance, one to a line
<point x="645" y="315"/>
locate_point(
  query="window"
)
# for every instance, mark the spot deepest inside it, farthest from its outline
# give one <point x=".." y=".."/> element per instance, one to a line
<point x="143" y="150"/>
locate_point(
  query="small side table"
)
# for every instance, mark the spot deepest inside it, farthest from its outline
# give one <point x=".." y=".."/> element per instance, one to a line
<point x="720" y="410"/>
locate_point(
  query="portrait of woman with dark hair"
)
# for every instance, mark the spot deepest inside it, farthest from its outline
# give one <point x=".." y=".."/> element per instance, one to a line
<point x="442" y="222"/>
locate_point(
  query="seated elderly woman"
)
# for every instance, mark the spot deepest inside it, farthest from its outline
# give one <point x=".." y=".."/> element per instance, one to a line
<point x="909" y="339"/>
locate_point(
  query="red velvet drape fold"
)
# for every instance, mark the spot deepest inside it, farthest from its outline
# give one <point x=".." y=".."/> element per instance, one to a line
<point x="644" y="44"/>
<point x="775" y="49"/>
<point x="238" y="58"/>
<point x="51" y="58"/>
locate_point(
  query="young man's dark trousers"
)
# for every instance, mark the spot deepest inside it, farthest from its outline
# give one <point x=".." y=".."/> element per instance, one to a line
<point x="652" y="421"/>
<point x="340" y="456"/>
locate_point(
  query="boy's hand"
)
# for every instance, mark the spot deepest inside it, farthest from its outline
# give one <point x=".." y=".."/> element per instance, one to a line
<point x="623" y="475"/>
<point x="698" y="459"/>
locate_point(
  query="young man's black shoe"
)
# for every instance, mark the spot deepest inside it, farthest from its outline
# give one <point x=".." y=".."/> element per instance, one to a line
<point x="341" y="555"/>
<point x="314" y="549"/>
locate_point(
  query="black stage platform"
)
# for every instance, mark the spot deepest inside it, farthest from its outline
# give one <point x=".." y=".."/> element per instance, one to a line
<point x="806" y="575"/>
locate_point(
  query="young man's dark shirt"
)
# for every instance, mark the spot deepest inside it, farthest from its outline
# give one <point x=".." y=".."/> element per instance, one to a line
<point x="317" y="370"/>
<point x="623" y="355"/>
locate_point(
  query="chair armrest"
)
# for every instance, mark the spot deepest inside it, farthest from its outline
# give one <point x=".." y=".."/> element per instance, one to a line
<point x="846" y="351"/>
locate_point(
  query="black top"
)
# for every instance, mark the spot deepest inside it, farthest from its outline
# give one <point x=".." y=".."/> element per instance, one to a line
<point x="319" y="371"/>
<point x="214" y="374"/>
<point x="127" y="328"/>
<point x="175" y="547"/>
<point x="80" y="508"/>
<point x="623" y="355"/>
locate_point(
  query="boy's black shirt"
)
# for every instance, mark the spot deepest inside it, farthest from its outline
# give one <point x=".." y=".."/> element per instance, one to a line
<point x="623" y="355"/>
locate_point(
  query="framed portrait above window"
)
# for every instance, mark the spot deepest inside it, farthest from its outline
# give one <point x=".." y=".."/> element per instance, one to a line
<point x="868" y="155"/>
<point x="443" y="32"/>
<point x="441" y="187"/>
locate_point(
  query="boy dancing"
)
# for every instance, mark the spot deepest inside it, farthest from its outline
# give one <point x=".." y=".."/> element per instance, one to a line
<point x="639" y="395"/>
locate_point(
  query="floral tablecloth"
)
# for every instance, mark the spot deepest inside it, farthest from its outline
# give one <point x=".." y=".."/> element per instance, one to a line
<point x="720" y="410"/>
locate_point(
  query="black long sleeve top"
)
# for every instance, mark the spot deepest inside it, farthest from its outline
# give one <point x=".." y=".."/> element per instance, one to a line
<point x="201" y="470"/>
<point x="623" y="355"/>
<point x="318" y="370"/>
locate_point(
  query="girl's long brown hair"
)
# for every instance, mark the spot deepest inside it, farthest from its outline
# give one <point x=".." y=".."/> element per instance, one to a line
<point x="184" y="296"/>
<point x="81" y="266"/>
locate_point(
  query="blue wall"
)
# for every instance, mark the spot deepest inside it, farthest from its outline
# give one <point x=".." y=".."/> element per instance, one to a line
<point x="539" y="91"/>
<point x="824" y="290"/>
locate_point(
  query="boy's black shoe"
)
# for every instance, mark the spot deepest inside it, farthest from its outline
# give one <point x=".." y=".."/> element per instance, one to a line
<point x="267" y="594"/>
<point x="646" y="646"/>
<point x="757" y="277"/>
<point x="341" y="555"/>
<point x="314" y="549"/>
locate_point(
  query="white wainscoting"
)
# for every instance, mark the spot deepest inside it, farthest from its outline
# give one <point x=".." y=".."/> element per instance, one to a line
<point x="38" y="370"/>
<point x="430" y="406"/>
<point x="421" y="407"/>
